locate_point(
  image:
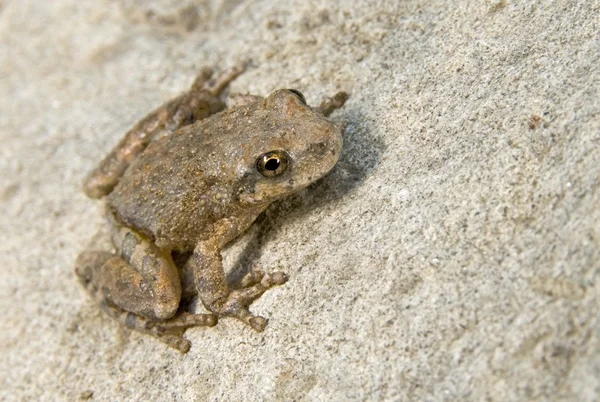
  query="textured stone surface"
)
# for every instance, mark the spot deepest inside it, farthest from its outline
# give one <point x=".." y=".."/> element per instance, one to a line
<point x="453" y="254"/>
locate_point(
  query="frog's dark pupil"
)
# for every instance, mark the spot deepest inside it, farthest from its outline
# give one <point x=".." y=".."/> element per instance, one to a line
<point x="272" y="164"/>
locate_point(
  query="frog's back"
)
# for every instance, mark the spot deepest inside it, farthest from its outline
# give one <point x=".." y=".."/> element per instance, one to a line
<point x="166" y="195"/>
<point x="209" y="170"/>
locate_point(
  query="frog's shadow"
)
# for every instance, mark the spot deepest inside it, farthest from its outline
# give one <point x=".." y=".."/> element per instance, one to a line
<point x="361" y="154"/>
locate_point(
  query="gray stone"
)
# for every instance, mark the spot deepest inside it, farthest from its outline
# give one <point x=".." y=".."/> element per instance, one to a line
<point x="453" y="254"/>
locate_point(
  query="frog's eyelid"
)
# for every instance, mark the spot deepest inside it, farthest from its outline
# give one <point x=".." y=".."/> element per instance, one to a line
<point x="298" y="94"/>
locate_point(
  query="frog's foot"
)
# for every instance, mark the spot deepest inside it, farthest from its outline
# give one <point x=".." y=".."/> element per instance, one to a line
<point x="147" y="304"/>
<point x="171" y="331"/>
<point x="253" y="286"/>
<point x="329" y="104"/>
<point x="185" y="320"/>
<point x="173" y="337"/>
<point x="215" y="84"/>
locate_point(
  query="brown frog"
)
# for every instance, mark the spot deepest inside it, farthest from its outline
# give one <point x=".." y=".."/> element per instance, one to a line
<point x="191" y="177"/>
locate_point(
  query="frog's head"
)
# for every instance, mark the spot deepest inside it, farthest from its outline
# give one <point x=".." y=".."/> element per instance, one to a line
<point x="290" y="146"/>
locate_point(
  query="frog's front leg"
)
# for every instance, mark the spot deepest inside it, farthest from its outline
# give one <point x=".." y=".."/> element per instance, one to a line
<point x="199" y="102"/>
<point x="211" y="283"/>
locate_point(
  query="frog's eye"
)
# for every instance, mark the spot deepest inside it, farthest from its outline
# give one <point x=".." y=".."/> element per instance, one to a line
<point x="272" y="163"/>
<point x="299" y="95"/>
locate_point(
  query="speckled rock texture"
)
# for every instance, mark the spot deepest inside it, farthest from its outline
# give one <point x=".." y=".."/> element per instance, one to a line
<point x="452" y="255"/>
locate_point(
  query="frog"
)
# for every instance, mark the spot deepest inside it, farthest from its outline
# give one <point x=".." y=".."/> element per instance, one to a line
<point x="188" y="179"/>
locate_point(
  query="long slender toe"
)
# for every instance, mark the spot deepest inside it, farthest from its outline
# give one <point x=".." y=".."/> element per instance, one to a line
<point x="252" y="278"/>
<point x="176" y="342"/>
<point x="274" y="279"/>
<point x="258" y="323"/>
<point x="254" y="285"/>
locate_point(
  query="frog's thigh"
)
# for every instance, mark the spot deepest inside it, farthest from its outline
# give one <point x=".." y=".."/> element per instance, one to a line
<point x="142" y="280"/>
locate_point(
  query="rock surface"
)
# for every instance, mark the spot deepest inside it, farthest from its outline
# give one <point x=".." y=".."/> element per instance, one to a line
<point x="453" y="254"/>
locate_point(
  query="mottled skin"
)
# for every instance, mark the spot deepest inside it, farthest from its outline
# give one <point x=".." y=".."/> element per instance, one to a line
<point x="191" y="177"/>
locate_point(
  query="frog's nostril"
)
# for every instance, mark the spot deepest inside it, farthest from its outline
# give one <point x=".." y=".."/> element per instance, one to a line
<point x="318" y="147"/>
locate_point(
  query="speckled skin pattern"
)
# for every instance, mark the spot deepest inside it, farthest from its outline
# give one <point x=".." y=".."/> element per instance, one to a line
<point x="191" y="177"/>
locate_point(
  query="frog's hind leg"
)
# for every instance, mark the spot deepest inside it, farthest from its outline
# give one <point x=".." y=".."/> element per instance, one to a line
<point x="141" y="280"/>
<point x="166" y="331"/>
<point x="92" y="268"/>
<point x="199" y="102"/>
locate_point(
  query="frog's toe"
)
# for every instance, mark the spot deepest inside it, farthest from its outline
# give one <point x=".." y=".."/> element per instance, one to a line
<point x="254" y="285"/>
<point x="258" y="277"/>
<point x="252" y="278"/>
<point x="176" y="342"/>
<point x="274" y="279"/>
<point x="186" y="320"/>
<point x="258" y="323"/>
<point x="218" y="82"/>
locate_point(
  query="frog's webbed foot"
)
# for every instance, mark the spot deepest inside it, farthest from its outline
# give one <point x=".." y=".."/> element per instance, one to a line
<point x="252" y="287"/>
<point x="169" y="331"/>
<point x="211" y="283"/>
